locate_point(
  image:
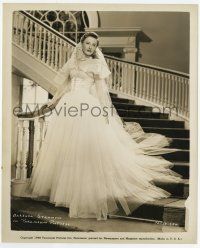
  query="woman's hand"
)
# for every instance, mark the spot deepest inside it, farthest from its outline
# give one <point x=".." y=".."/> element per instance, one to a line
<point x="46" y="107"/>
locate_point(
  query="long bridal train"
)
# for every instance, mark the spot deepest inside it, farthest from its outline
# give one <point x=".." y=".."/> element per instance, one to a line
<point x="91" y="164"/>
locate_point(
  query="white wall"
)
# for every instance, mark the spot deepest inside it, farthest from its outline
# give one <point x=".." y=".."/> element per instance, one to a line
<point x="169" y="32"/>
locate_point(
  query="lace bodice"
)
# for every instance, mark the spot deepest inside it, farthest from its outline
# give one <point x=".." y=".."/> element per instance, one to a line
<point x="84" y="74"/>
<point x="84" y="77"/>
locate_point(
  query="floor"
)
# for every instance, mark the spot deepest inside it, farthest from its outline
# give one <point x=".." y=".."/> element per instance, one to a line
<point x="59" y="216"/>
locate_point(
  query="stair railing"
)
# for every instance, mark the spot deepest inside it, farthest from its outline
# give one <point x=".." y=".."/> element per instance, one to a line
<point x="40" y="40"/>
<point x="163" y="87"/>
<point x="31" y="133"/>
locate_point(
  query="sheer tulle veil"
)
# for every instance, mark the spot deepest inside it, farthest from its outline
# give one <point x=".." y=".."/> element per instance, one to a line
<point x="131" y="135"/>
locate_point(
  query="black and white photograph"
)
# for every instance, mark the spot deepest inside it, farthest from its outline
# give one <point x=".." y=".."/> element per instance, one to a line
<point x="100" y="121"/>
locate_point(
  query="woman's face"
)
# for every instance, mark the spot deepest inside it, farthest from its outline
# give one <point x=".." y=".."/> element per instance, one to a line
<point x="89" y="46"/>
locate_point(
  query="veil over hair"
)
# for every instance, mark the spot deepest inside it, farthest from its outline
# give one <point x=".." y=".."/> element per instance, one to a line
<point x="131" y="135"/>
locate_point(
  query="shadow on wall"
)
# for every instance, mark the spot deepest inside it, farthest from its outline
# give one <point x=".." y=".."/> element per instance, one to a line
<point x="141" y="37"/>
<point x="169" y="32"/>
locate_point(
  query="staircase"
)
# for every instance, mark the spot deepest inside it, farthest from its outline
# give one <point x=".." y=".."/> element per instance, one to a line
<point x="170" y="211"/>
<point x="38" y="50"/>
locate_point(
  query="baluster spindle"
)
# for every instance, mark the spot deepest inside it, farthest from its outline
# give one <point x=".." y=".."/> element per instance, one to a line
<point x="65" y="54"/>
<point x="60" y="54"/>
<point x="115" y="75"/>
<point x="186" y="97"/>
<point x="137" y="81"/>
<point x="179" y="94"/>
<point x="52" y="51"/>
<point x="162" y="96"/>
<point x="44" y="46"/>
<point x="21" y="30"/>
<point x="176" y="94"/>
<point x="173" y="91"/>
<point x="131" y="87"/>
<point x="36" y="143"/>
<point x="24" y="150"/>
<point x="112" y="73"/>
<point x="159" y="87"/>
<point x="30" y="148"/>
<point x="140" y="80"/>
<point x="169" y="92"/>
<point x="144" y="82"/>
<point x="35" y="47"/>
<point x="56" y="53"/>
<point x="187" y="100"/>
<point x="182" y="95"/>
<point x="19" y="149"/>
<point x="31" y="38"/>
<point x="129" y="79"/>
<point x="14" y="23"/>
<point x="152" y="85"/>
<point x="26" y="34"/>
<point x="147" y="95"/>
<point x="165" y="89"/>
<point x="18" y="30"/>
<point x="126" y="77"/>
<point x="155" y="86"/>
<point x="119" y="76"/>
<point x="40" y="43"/>
<point x="48" y="48"/>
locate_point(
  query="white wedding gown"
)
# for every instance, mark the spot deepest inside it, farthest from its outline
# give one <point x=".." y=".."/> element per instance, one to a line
<point x="90" y="166"/>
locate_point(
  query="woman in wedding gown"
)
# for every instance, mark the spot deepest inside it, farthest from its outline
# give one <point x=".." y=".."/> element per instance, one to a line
<point x="88" y="161"/>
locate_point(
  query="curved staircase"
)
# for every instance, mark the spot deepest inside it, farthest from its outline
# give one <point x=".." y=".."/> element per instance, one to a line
<point x="46" y="50"/>
<point x="170" y="211"/>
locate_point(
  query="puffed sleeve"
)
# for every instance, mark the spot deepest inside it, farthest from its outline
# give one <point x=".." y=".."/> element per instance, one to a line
<point x="62" y="81"/>
<point x="63" y="74"/>
<point x="103" y="71"/>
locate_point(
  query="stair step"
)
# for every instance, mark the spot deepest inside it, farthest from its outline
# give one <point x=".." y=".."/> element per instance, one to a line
<point x="130" y="106"/>
<point x="178" y="190"/>
<point x="141" y="114"/>
<point x="180" y="143"/>
<point x="122" y="100"/>
<point x="149" y="122"/>
<point x="170" y="211"/>
<point x="113" y="94"/>
<point x="181" y="155"/>
<point x="169" y="132"/>
<point x="181" y="168"/>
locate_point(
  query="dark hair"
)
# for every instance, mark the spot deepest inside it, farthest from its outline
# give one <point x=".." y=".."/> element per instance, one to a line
<point x="90" y="34"/>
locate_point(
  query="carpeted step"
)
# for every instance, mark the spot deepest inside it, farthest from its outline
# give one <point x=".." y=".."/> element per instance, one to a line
<point x="180" y="143"/>
<point x="122" y="100"/>
<point x="178" y="190"/>
<point x="169" y="132"/>
<point x="170" y="211"/>
<point x="113" y="94"/>
<point x="180" y="155"/>
<point x="181" y="168"/>
<point x="161" y="123"/>
<point x="141" y="114"/>
<point x="130" y="106"/>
